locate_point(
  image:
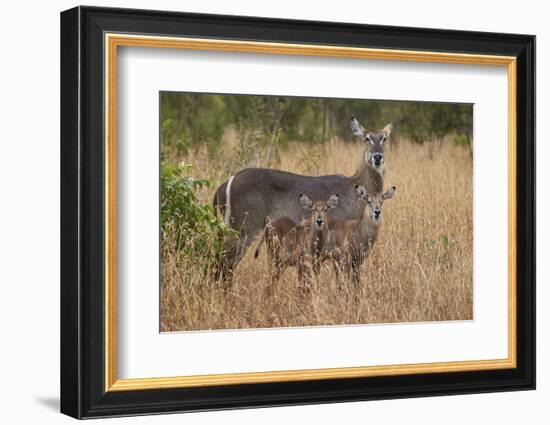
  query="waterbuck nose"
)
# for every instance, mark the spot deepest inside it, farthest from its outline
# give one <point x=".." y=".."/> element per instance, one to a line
<point x="377" y="213"/>
<point x="319" y="222"/>
<point x="378" y="157"/>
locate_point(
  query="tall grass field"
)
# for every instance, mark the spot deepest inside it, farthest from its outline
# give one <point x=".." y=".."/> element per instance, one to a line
<point x="419" y="270"/>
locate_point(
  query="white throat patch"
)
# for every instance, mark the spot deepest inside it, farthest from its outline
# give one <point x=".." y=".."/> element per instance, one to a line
<point x="380" y="168"/>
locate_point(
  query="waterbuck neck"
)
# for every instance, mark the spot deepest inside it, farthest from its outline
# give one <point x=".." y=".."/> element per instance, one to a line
<point x="370" y="178"/>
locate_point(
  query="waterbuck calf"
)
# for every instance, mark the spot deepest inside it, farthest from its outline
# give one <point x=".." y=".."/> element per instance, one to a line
<point x="297" y="244"/>
<point x="251" y="195"/>
<point x="350" y="241"/>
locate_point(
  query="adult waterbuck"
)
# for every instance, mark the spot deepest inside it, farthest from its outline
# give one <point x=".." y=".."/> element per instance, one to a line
<point x="297" y="244"/>
<point x="253" y="194"/>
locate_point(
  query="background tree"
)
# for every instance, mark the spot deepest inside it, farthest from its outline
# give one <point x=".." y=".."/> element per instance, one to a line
<point x="265" y="124"/>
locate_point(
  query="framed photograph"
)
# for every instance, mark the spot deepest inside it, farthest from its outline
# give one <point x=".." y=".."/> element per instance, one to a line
<point x="261" y="212"/>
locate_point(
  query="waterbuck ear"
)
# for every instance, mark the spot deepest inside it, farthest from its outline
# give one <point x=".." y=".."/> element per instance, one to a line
<point x="387" y="129"/>
<point x="305" y="201"/>
<point x="333" y="201"/>
<point x="361" y="192"/>
<point x="356" y="128"/>
<point x="389" y="194"/>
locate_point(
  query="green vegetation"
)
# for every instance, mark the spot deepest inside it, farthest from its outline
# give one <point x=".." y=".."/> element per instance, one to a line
<point x="195" y="228"/>
<point x="190" y="121"/>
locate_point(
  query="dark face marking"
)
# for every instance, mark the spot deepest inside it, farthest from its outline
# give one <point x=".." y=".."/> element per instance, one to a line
<point x="374" y="148"/>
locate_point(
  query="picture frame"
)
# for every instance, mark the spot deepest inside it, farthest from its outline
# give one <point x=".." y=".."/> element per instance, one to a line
<point x="90" y="40"/>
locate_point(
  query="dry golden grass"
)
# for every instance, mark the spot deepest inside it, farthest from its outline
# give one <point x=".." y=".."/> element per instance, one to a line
<point x="419" y="270"/>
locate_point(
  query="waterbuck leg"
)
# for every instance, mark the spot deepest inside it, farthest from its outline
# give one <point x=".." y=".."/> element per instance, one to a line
<point x="338" y="263"/>
<point x="276" y="271"/>
<point x="316" y="266"/>
<point x="306" y="267"/>
<point x="302" y="274"/>
<point x="356" y="265"/>
<point x="236" y="248"/>
<point x="304" y="285"/>
<point x="356" y="275"/>
<point x="276" y="268"/>
<point x="226" y="263"/>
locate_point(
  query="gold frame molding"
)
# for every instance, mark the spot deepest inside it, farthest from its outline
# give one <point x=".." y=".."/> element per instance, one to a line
<point x="113" y="41"/>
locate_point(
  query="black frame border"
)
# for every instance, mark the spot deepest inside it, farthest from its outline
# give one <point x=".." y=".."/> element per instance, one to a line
<point x="82" y="212"/>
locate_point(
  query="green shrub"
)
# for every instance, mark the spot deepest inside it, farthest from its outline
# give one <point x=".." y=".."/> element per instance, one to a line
<point x="193" y="227"/>
<point x="191" y="120"/>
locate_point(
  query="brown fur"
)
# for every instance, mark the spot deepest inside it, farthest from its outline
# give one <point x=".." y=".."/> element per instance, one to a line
<point x="297" y="244"/>
<point x="350" y="241"/>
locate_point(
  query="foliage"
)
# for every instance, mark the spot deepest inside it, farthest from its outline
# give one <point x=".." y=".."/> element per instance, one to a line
<point x="264" y="124"/>
<point x="428" y="122"/>
<point x="258" y="123"/>
<point x="190" y="120"/>
<point x="197" y="230"/>
<point x="462" y="140"/>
